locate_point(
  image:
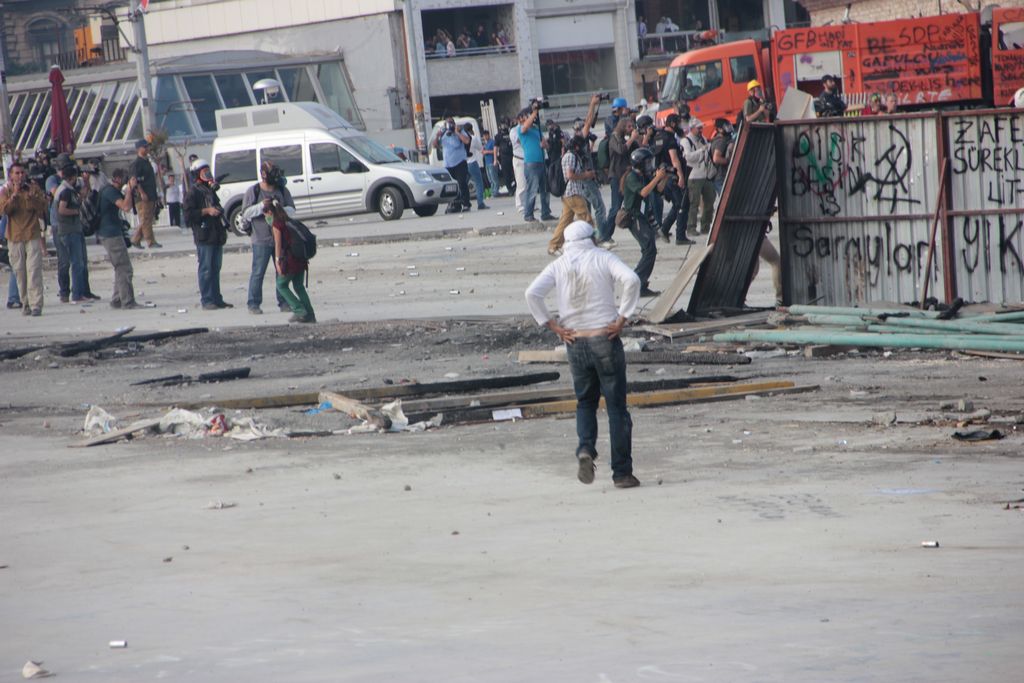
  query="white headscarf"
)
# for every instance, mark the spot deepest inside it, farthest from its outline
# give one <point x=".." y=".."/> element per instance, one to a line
<point x="578" y="241"/>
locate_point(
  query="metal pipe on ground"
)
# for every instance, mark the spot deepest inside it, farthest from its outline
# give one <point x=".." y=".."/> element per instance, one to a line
<point x="966" y="325"/>
<point x="876" y="340"/>
<point x="805" y="309"/>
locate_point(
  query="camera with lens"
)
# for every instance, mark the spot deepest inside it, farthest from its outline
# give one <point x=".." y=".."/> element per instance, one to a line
<point x="539" y="103"/>
<point x="605" y="97"/>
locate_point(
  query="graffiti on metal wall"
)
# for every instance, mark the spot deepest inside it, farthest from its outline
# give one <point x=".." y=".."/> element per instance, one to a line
<point x="979" y="234"/>
<point x="990" y="148"/>
<point x="870" y="256"/>
<point x="832" y="166"/>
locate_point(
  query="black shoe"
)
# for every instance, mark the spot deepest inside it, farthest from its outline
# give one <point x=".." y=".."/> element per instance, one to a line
<point x="585" y="473"/>
<point x="131" y="306"/>
<point x="308" y="319"/>
<point x="211" y="307"/>
<point x="224" y="304"/>
<point x="92" y="296"/>
<point x="626" y="482"/>
<point x="548" y="217"/>
<point x="664" y="236"/>
<point x="685" y="241"/>
<point x="482" y="207"/>
<point x="64" y="298"/>
<point x="115" y="304"/>
<point x="647" y="291"/>
<point x="13" y="304"/>
<point x="284" y="308"/>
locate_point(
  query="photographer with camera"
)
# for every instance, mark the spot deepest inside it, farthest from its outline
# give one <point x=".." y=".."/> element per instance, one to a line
<point x="204" y="214"/>
<point x="646" y="130"/>
<point x="637" y="185"/>
<point x="623" y="141"/>
<point x="829" y="103"/>
<point x="68" y="228"/>
<point x="533" y="162"/>
<point x="667" y="156"/>
<point x="700" y="183"/>
<point x="452" y="143"/>
<point x="574" y="204"/>
<point x="145" y="195"/>
<point x="24" y="205"/>
<point x="272" y="185"/>
<point x="591" y="186"/>
<point x="473" y="161"/>
<point x="756" y="109"/>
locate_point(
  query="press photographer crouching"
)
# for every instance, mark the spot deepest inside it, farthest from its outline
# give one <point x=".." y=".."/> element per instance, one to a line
<point x="453" y="143"/>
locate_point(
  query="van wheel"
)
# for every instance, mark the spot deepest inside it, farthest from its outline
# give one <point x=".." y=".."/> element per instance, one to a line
<point x="235" y="220"/>
<point x="424" y="211"/>
<point x="390" y="204"/>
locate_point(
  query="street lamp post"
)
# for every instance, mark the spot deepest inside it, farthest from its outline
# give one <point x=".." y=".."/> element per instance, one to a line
<point x="142" y="65"/>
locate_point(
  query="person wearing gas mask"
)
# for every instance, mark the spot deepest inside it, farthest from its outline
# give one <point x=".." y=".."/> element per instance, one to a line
<point x="205" y="216"/>
<point x="667" y="156"/>
<point x="721" y="152"/>
<point x="755" y="108"/>
<point x="272" y="185"/>
<point x="503" y="157"/>
<point x="24" y="205"/>
<point x="637" y="184"/>
<point x="452" y="142"/>
<point x="591" y="187"/>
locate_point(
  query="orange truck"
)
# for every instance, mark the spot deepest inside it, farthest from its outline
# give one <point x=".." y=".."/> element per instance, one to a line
<point x="926" y="62"/>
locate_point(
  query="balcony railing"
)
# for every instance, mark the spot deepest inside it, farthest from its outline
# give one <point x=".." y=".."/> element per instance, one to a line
<point x="107" y="52"/>
<point x="474" y="51"/>
<point x="668" y="45"/>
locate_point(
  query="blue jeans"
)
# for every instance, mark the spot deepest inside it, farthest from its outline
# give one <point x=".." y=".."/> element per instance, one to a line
<point x="598" y="366"/>
<point x="261" y="256"/>
<point x="680" y="200"/>
<point x="74" y="246"/>
<point x="478" y="180"/>
<point x="492" y="178"/>
<point x="210" y="258"/>
<point x="63" y="267"/>
<point x="535" y="185"/>
<point x="12" y="289"/>
<point x="592" y="193"/>
<point x="608" y="229"/>
<point x="646" y="237"/>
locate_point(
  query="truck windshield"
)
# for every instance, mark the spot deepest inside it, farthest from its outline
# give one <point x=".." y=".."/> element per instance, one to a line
<point x="691" y="81"/>
<point x="372" y="151"/>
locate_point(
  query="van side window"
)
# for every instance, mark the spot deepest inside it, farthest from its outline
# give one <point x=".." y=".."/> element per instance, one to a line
<point x="330" y="158"/>
<point x="286" y="157"/>
<point x="742" y="68"/>
<point x="239" y="167"/>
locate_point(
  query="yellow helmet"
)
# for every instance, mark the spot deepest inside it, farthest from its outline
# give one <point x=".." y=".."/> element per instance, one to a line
<point x="753" y="84"/>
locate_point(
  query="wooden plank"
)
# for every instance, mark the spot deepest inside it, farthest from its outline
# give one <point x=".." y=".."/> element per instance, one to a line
<point x="694" y="395"/>
<point x="664" y="303"/>
<point x="386" y="392"/>
<point x="677" y="330"/>
<point x="643" y="357"/>
<point x="354" y="408"/>
<point x="117" y="434"/>
<point x="506" y="398"/>
<point x="994" y="354"/>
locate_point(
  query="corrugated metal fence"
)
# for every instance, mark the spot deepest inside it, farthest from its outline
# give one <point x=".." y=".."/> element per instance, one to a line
<point x="857" y="198"/>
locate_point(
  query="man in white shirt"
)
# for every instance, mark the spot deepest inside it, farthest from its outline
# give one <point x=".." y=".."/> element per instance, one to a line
<point x="474" y="161"/>
<point x="589" y="322"/>
<point x="518" y="164"/>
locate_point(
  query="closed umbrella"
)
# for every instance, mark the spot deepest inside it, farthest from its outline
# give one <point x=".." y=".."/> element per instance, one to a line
<point x="61" y="136"/>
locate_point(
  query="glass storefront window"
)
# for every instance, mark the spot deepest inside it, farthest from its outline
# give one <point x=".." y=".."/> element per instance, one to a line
<point x="171" y="110"/>
<point x="203" y="95"/>
<point x="233" y="90"/>
<point x="337" y="95"/>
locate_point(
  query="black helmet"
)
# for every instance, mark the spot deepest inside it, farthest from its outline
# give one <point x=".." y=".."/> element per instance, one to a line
<point x="644" y="121"/>
<point x="642" y="159"/>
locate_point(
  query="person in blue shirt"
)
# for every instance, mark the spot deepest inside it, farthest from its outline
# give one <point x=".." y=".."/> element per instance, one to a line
<point x="533" y="164"/>
<point x="452" y="142"/>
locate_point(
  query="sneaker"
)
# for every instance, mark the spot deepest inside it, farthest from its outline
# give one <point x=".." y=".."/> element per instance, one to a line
<point x="256" y="310"/>
<point x="36" y="312"/>
<point x="529" y="219"/>
<point x="585" y="473"/>
<point x="115" y="304"/>
<point x="156" y="245"/>
<point x="648" y="292"/>
<point x="284" y="308"/>
<point x="93" y="297"/>
<point x="295" y="319"/>
<point x="211" y="307"/>
<point x="308" y="319"/>
<point x="13" y="304"/>
<point x="224" y="304"/>
<point x="131" y="306"/>
<point x="548" y="217"/>
<point x="685" y="241"/>
<point x="482" y="207"/>
<point x="626" y="482"/>
<point x="137" y="245"/>
<point x="64" y="299"/>
<point x="607" y="244"/>
<point x="664" y="237"/>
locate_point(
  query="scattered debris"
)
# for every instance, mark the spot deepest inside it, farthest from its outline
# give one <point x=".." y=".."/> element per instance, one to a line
<point x="929" y="544"/>
<point x="35" y="670"/>
<point x="641" y="357"/>
<point x="220" y="505"/>
<point x="218" y="376"/>
<point x="979" y="435"/>
<point x="118" y="644"/>
<point x="168" y="559"/>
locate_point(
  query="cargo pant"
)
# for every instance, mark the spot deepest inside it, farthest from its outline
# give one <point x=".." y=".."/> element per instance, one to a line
<point x="27" y="264"/>
<point x="124" y="292"/>
<point x="574" y="208"/>
<point x="145" y="210"/>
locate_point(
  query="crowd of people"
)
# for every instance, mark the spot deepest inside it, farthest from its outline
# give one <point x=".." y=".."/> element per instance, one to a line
<point x="74" y="203"/>
<point x="444" y="44"/>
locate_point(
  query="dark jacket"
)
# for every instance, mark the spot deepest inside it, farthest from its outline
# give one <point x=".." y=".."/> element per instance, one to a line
<point x="207" y="230"/>
<point x="829" y="104"/>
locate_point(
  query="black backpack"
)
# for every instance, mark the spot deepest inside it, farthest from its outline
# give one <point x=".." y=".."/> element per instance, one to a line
<point x="303" y="241"/>
<point x="556" y="178"/>
<point x="89" y="213"/>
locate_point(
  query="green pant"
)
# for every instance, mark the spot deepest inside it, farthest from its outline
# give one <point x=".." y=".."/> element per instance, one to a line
<point x="702" y="194"/>
<point x="297" y="301"/>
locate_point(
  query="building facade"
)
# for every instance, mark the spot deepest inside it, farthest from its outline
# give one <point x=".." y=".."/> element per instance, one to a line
<point x="835" y="11"/>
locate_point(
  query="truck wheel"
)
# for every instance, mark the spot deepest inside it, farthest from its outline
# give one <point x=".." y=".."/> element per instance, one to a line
<point x="390" y="204"/>
<point x="424" y="211"/>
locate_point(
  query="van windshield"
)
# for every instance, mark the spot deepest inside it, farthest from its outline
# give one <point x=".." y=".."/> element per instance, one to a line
<point x="373" y="152"/>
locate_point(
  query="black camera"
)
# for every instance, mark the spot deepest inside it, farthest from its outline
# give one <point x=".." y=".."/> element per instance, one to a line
<point x="450" y="126"/>
<point x="605" y="97"/>
<point x="539" y="103"/>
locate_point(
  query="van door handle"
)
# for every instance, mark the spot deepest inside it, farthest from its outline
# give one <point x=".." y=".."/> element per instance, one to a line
<point x="315" y="178"/>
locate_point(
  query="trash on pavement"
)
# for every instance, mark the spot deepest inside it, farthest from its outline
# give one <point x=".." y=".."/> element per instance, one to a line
<point x="99" y="421"/>
<point x="979" y="435"/>
<point x="35" y="670"/>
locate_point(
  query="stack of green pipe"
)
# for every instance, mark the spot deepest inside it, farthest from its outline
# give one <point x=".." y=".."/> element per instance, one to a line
<point x="879" y="340"/>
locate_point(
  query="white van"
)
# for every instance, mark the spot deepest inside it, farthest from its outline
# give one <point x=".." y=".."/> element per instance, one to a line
<point x="331" y="167"/>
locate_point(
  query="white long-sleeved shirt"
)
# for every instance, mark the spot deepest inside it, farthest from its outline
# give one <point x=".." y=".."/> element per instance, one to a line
<point x="476" y="151"/>
<point x="584" y="280"/>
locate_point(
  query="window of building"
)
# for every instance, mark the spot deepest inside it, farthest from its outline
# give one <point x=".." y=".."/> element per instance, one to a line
<point x="337" y="92"/>
<point x="48" y="38"/>
<point x="204" y="99"/>
<point x="236" y="167"/>
<point x="101" y="117"/>
<point x="578" y="71"/>
<point x="297" y="85"/>
<point x="233" y="90"/>
<point x="286" y="157"/>
<point x="171" y="109"/>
